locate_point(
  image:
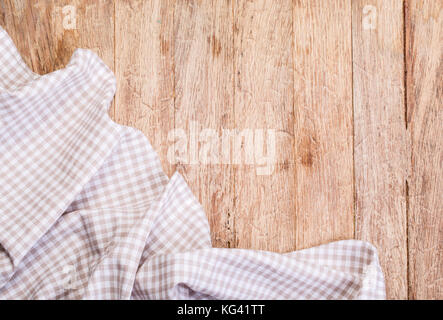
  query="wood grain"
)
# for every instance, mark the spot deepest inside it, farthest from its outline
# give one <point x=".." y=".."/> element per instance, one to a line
<point x="144" y="68"/>
<point x="38" y="31"/>
<point x="203" y="59"/>
<point x="324" y="198"/>
<point x="380" y="145"/>
<point x="264" y="203"/>
<point x="425" y="124"/>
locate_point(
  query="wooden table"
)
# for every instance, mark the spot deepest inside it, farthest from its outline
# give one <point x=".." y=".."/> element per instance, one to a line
<point x="351" y="91"/>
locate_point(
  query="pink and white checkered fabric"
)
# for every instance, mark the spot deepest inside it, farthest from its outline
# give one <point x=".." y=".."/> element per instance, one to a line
<point x="87" y="212"/>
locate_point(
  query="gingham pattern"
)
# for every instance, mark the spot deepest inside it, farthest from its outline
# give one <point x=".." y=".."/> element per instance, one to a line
<point x="87" y="212"/>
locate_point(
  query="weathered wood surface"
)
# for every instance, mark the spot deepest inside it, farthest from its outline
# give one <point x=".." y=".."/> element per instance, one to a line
<point x="380" y="140"/>
<point x="263" y="62"/>
<point x="354" y="102"/>
<point x="204" y="93"/>
<point x="424" y="44"/>
<point x="323" y="158"/>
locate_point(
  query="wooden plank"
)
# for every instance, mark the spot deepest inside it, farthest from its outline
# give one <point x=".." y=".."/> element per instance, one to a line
<point x="380" y="143"/>
<point x="424" y="38"/>
<point x="204" y="106"/>
<point x="145" y="71"/>
<point x="323" y="128"/>
<point x="46" y="33"/>
<point x="264" y="190"/>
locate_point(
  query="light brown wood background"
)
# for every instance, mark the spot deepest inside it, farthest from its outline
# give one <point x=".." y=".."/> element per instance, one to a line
<point x="353" y="90"/>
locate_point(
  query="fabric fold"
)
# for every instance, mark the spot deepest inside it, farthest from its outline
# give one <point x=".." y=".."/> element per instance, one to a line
<point x="86" y="211"/>
<point x="54" y="137"/>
